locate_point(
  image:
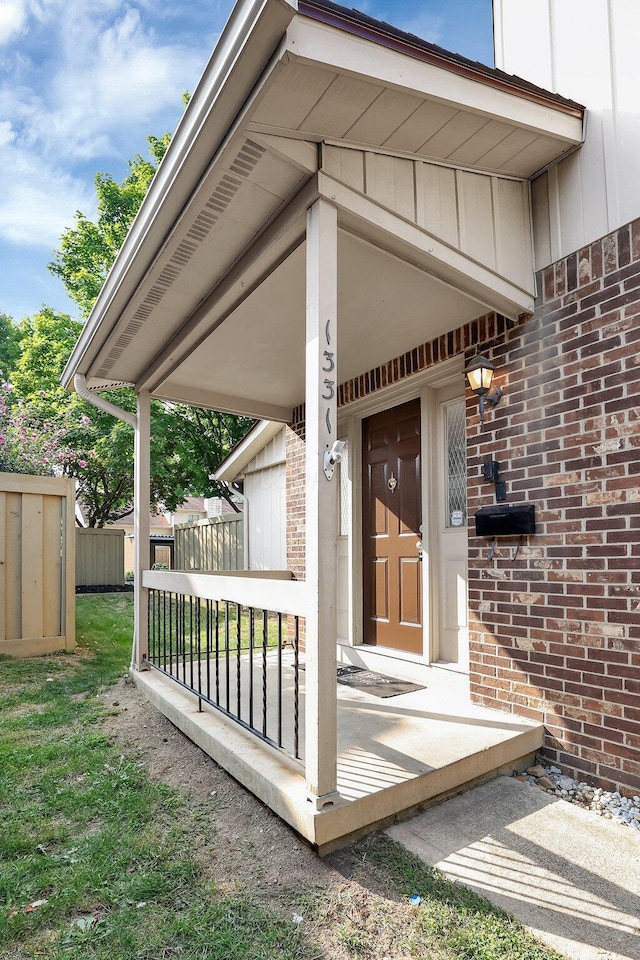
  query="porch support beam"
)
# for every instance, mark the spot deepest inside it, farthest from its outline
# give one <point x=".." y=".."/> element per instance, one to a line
<point x="321" y="740"/>
<point x="367" y="219"/>
<point x="141" y="520"/>
<point x="209" y="400"/>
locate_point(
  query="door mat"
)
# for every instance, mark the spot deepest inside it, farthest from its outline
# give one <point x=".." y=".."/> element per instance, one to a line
<point x="375" y="683"/>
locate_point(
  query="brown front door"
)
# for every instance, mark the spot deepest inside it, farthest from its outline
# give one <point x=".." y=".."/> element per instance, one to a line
<point x="391" y="519"/>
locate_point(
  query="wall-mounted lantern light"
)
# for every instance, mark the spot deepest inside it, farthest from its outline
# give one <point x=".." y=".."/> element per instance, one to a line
<point x="479" y="373"/>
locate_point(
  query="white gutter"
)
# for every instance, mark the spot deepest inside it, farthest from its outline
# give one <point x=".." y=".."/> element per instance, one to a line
<point x="80" y="386"/>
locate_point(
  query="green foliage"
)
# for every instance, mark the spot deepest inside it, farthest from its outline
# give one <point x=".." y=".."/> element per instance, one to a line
<point x="52" y="430"/>
<point x="46" y="340"/>
<point x="88" y="250"/>
<point x="9" y="343"/>
<point x="24" y="446"/>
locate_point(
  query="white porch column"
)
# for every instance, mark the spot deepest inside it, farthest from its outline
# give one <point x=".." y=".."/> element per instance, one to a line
<point x="141" y="524"/>
<point x="321" y="504"/>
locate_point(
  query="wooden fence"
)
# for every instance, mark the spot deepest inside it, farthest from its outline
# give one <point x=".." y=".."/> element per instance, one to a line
<point x="37" y="564"/>
<point x="215" y="544"/>
<point x="99" y="557"/>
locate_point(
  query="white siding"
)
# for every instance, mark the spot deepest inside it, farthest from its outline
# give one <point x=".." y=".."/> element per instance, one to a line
<point x="585" y="50"/>
<point x="484" y="216"/>
<point x="343" y="612"/>
<point x="264" y="487"/>
<point x="270" y="454"/>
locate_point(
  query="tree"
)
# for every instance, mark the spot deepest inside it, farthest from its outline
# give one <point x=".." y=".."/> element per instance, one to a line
<point x="9" y="344"/>
<point x="87" y="251"/>
<point x="47" y="429"/>
<point x="25" y="447"/>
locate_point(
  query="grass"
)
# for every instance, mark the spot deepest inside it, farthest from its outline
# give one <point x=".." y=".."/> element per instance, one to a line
<point x="203" y="623"/>
<point x="84" y="828"/>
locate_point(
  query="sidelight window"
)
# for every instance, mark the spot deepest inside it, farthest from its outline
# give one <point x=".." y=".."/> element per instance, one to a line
<point x="456" y="464"/>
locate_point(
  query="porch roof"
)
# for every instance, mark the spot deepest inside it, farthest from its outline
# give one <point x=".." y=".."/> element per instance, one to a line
<point x="205" y="303"/>
<point x="246" y="449"/>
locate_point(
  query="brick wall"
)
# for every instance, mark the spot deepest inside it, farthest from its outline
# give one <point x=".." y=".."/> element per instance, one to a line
<point x="295" y="493"/>
<point x="556" y="632"/>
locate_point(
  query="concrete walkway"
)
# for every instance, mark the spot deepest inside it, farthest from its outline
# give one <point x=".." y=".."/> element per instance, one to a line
<point x="568" y="875"/>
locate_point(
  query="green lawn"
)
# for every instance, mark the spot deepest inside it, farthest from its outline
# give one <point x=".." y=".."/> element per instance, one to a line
<point x="84" y="828"/>
<point x="203" y="625"/>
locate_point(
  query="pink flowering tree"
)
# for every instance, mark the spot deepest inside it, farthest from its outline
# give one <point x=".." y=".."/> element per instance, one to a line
<point x="28" y="445"/>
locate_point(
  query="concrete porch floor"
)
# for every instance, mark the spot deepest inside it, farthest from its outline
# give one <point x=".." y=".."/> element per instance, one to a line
<point x="395" y="755"/>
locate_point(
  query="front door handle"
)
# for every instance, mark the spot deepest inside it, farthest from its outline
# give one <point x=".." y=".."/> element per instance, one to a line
<point x="419" y="549"/>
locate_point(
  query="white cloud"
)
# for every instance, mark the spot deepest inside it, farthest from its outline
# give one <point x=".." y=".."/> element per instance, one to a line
<point x="109" y="76"/>
<point x="7" y="133"/>
<point x="37" y="202"/>
<point x="104" y="81"/>
<point x="84" y="82"/>
<point x="13" y="15"/>
<point x="120" y="79"/>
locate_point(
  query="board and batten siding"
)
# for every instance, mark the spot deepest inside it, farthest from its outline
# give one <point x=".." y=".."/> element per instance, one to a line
<point x="486" y="217"/>
<point x="215" y="544"/>
<point x="99" y="557"/>
<point x="265" y="490"/>
<point x="37" y="564"/>
<point x="586" y="50"/>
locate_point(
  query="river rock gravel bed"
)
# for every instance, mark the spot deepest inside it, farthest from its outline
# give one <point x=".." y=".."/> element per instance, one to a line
<point x="611" y="806"/>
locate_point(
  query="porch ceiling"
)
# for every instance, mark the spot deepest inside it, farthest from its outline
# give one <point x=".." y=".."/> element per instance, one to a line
<point x="328" y="86"/>
<point x="218" y="239"/>
<point x="385" y="307"/>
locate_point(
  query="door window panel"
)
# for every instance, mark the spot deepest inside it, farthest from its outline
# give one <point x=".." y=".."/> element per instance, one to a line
<point x="456" y="465"/>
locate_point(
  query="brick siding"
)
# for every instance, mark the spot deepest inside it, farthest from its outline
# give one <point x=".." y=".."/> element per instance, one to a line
<point x="295" y="494"/>
<point x="555" y="633"/>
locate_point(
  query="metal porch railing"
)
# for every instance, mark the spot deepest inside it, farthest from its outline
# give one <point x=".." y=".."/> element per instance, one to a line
<point x="242" y="660"/>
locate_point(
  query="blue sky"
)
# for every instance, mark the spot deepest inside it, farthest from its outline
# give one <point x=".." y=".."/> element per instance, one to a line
<point x="82" y="82"/>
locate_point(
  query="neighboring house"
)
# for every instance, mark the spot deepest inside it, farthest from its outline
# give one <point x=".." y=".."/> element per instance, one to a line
<point x="258" y="461"/>
<point x="160" y="533"/>
<point x="346" y="218"/>
<point x="193" y="508"/>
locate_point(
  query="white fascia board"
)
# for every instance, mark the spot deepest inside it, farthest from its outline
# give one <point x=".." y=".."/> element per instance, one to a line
<point x="248" y="448"/>
<point x="245" y="46"/>
<point x="322" y="45"/>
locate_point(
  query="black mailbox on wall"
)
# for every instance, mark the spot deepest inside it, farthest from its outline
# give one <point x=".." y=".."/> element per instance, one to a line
<point x="503" y="520"/>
